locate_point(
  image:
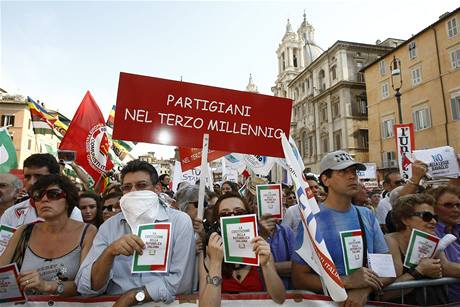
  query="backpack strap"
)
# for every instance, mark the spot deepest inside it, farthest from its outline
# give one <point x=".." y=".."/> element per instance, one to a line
<point x="20" y="250"/>
<point x="363" y="231"/>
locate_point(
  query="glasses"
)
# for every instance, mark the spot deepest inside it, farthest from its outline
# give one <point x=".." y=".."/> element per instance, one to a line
<point x="4" y="185"/>
<point x="426" y="216"/>
<point x="291" y="197"/>
<point x="110" y="208"/>
<point x="237" y="211"/>
<point x="51" y="194"/>
<point x="140" y="186"/>
<point x="451" y="205"/>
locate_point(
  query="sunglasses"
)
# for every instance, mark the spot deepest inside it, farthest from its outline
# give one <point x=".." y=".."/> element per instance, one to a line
<point x="426" y="216"/>
<point x="110" y="208"/>
<point x="140" y="186"/>
<point x="51" y="194"/>
<point x="399" y="182"/>
<point x="234" y="212"/>
<point x="451" y="205"/>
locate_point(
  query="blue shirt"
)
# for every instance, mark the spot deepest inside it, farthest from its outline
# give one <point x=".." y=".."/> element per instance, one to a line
<point x="160" y="286"/>
<point x="453" y="254"/>
<point x="331" y="222"/>
<point x="282" y="247"/>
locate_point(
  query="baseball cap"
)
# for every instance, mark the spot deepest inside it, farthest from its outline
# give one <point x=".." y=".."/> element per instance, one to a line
<point x="338" y="160"/>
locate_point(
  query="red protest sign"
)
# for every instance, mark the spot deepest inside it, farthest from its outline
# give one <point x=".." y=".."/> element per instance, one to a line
<point x="179" y="113"/>
<point x="191" y="157"/>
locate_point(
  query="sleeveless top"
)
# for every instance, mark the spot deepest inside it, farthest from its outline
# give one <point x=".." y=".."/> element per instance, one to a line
<point x="63" y="268"/>
<point x="251" y="283"/>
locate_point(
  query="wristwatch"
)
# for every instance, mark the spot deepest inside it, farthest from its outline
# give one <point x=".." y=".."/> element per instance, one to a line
<point x="140" y="296"/>
<point x="416" y="274"/>
<point x="215" y="280"/>
<point x="60" y="287"/>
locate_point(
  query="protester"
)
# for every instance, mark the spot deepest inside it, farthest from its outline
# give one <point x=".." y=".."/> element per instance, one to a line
<point x="90" y="207"/>
<point x="165" y="180"/>
<point x="10" y="186"/>
<point x="447" y="207"/>
<point x="212" y="199"/>
<point x="282" y="242"/>
<point x="229" y="186"/>
<point x="375" y="199"/>
<point x="35" y="166"/>
<point x="111" y="205"/>
<point x="292" y="216"/>
<point x="393" y="197"/>
<point x="48" y="254"/>
<point x="187" y="201"/>
<point x="361" y="198"/>
<point x="107" y="268"/>
<point x="416" y="212"/>
<point x="217" y="277"/>
<point x="338" y="175"/>
<point x="390" y="181"/>
<point x="291" y="199"/>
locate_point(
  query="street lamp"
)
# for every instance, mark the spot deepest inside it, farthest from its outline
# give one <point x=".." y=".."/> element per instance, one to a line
<point x="396" y="82"/>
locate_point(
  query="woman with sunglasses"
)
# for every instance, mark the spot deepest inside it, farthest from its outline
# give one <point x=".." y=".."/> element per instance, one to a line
<point x="90" y="207"/>
<point x="111" y="205"/>
<point x="447" y="208"/>
<point x="49" y="253"/>
<point x="416" y="211"/>
<point x="217" y="277"/>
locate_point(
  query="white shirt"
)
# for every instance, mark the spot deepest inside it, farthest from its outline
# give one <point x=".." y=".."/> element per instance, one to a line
<point x="24" y="213"/>
<point x="383" y="208"/>
<point x="292" y="218"/>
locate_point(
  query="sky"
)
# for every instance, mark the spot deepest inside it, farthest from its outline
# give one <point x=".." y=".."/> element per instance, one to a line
<point x="55" y="51"/>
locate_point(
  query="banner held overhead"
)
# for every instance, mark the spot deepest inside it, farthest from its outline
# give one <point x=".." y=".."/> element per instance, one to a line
<point x="177" y="113"/>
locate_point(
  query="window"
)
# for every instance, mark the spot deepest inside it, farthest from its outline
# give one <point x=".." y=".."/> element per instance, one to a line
<point x="336" y="109"/>
<point x="29" y="144"/>
<point x="283" y="61"/>
<point x="321" y="77"/>
<point x="455" y="103"/>
<point x="389" y="159"/>
<point x="7" y="120"/>
<point x="323" y="112"/>
<point x="412" y="51"/>
<point x="387" y="128"/>
<point x="325" y="144"/>
<point x="416" y="76"/>
<point x="30" y="123"/>
<point x="294" y="55"/>
<point x="382" y="67"/>
<point x="363" y="138"/>
<point x="385" y="90"/>
<point x="359" y="108"/>
<point x="422" y="119"/>
<point x="334" y="72"/>
<point x="455" y="56"/>
<point x="338" y="140"/>
<point x="311" y="145"/>
<point x="452" y="27"/>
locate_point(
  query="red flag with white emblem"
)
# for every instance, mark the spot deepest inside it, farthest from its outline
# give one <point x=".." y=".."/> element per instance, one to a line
<point x="87" y="135"/>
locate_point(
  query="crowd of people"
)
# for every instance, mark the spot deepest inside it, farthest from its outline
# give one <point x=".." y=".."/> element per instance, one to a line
<point x="72" y="240"/>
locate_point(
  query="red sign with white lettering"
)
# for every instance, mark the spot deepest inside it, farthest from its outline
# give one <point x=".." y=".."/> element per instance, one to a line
<point x="177" y="113"/>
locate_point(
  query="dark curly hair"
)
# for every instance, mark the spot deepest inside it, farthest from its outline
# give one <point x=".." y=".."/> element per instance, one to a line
<point x="405" y="208"/>
<point x="63" y="183"/>
<point x="42" y="160"/>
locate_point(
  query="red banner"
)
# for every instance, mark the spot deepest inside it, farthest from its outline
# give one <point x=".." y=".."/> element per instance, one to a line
<point x="87" y="135"/>
<point x="179" y="113"/>
<point x="191" y="157"/>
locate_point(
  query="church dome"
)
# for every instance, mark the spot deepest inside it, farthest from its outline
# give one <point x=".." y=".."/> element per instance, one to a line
<point x="311" y="52"/>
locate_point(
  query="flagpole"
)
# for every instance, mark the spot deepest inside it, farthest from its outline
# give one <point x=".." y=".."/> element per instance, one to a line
<point x="203" y="174"/>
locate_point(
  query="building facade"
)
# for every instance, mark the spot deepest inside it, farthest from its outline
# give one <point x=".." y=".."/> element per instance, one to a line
<point x="330" y="105"/>
<point x="430" y="73"/>
<point x="15" y="114"/>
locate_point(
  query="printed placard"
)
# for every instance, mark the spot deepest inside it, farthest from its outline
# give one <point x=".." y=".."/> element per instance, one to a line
<point x="9" y="286"/>
<point x="441" y="161"/>
<point x="237" y="234"/>
<point x="421" y="245"/>
<point x="352" y="249"/>
<point x="269" y="200"/>
<point x="157" y="238"/>
<point x="381" y="264"/>
<point x="6" y="233"/>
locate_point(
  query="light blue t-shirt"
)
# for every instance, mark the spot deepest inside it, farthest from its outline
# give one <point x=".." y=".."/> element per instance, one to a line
<point x="331" y="222"/>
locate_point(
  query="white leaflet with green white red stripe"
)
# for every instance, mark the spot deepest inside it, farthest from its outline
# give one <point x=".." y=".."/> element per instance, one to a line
<point x="421" y="245"/>
<point x="237" y="234"/>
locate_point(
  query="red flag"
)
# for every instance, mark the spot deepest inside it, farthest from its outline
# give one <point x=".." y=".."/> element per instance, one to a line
<point x="87" y="135"/>
<point x="191" y="157"/>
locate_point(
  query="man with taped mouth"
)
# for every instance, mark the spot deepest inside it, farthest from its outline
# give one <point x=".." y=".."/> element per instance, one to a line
<point x="107" y="268"/>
